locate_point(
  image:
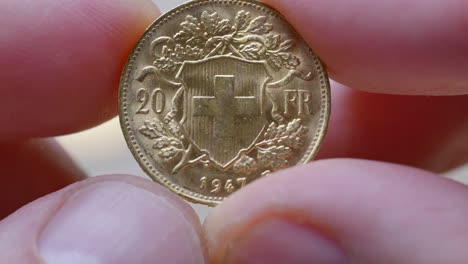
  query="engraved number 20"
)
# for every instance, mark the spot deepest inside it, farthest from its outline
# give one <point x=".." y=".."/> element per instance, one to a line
<point x="157" y="99"/>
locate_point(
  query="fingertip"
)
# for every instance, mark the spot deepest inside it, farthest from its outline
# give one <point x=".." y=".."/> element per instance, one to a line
<point x="107" y="219"/>
<point x="426" y="132"/>
<point x="31" y="169"/>
<point x="349" y="208"/>
<point x="63" y="62"/>
<point x="387" y="47"/>
<point x="279" y="240"/>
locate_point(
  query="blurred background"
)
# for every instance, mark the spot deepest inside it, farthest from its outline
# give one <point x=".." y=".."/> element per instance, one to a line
<point x="106" y="152"/>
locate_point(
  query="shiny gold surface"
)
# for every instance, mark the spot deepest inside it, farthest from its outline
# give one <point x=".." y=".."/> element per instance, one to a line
<point x="219" y="93"/>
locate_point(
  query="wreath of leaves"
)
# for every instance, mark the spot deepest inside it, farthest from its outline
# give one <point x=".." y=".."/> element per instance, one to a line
<point x="245" y="164"/>
<point x="275" y="148"/>
<point x="166" y="138"/>
<point x="278" y="143"/>
<point x="291" y="135"/>
<point x="210" y="35"/>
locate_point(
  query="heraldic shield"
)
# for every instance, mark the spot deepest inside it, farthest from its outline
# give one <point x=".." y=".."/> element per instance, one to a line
<point x="223" y="105"/>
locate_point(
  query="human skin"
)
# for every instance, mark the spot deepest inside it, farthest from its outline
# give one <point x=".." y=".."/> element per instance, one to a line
<point x="403" y="73"/>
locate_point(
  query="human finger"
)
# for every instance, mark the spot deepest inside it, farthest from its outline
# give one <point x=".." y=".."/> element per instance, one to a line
<point x="31" y="169"/>
<point x="342" y="211"/>
<point x="109" y="219"/>
<point x="393" y="47"/>
<point x="428" y="132"/>
<point x="61" y="62"/>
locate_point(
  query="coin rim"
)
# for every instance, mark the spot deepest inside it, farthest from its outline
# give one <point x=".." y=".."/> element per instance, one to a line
<point x="124" y="116"/>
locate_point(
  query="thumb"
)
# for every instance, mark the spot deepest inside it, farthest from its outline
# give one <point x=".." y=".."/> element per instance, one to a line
<point x="343" y="211"/>
<point x="109" y="219"/>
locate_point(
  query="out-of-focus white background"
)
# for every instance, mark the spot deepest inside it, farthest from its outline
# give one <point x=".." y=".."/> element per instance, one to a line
<point x="102" y="150"/>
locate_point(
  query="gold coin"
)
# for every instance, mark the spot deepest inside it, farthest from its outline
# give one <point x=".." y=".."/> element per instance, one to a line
<point x="218" y="93"/>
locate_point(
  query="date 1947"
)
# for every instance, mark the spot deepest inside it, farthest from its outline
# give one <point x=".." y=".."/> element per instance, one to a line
<point x="217" y="185"/>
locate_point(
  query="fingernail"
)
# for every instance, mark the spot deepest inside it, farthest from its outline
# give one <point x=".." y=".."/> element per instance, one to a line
<point x="119" y="223"/>
<point x="280" y="241"/>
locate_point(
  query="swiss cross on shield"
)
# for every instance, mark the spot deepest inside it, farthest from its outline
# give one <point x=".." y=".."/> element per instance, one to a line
<point x="223" y="105"/>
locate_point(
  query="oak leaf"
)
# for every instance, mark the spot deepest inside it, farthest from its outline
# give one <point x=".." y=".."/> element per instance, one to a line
<point x="259" y="26"/>
<point x="242" y="20"/>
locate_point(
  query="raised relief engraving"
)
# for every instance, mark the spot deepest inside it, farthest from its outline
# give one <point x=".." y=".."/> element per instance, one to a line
<point x="216" y="105"/>
<point x="170" y="144"/>
<point x="142" y="98"/>
<point x="223" y="113"/>
<point x="224" y="108"/>
<point x="299" y="99"/>
<point x="278" y="143"/>
<point x="157" y="100"/>
<point x="245" y="164"/>
<point x="217" y="94"/>
<point x="216" y="185"/>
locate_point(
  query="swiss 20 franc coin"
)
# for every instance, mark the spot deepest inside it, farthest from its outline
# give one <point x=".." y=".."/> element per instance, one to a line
<point x="218" y="93"/>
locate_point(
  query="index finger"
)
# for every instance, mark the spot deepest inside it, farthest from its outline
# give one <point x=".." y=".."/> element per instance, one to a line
<point x="398" y="47"/>
<point x="61" y="63"/>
